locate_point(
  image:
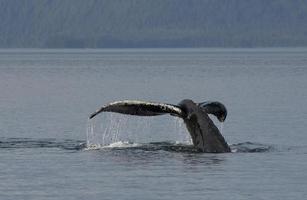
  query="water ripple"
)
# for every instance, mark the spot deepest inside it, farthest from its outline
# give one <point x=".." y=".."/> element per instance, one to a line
<point x="250" y="147"/>
<point x="69" y="144"/>
<point x="14" y="143"/>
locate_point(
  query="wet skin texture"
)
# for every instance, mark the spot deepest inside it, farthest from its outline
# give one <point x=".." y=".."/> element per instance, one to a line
<point x="205" y="135"/>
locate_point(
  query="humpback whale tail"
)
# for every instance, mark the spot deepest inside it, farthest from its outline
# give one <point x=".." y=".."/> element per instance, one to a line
<point x="205" y="135"/>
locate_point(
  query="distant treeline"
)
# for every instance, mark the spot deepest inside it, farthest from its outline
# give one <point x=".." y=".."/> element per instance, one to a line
<point x="152" y="23"/>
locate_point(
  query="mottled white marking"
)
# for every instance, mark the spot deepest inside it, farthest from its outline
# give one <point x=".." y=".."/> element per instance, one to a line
<point x="162" y="106"/>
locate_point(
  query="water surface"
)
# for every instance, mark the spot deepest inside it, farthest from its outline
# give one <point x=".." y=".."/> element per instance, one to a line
<point x="46" y="97"/>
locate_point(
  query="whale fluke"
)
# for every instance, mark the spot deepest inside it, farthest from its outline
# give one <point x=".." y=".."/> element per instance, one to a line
<point x="205" y="135"/>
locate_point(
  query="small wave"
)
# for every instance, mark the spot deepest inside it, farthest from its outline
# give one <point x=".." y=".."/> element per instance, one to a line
<point x="250" y="147"/>
<point x="153" y="146"/>
<point x="16" y="143"/>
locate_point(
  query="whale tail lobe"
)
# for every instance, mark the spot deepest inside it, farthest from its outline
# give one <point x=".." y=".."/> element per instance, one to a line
<point x="140" y="108"/>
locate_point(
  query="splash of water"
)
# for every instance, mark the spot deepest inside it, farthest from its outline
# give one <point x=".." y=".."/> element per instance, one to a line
<point x="89" y="132"/>
<point x="221" y="127"/>
<point x="180" y="129"/>
<point x="113" y="128"/>
<point x="216" y="122"/>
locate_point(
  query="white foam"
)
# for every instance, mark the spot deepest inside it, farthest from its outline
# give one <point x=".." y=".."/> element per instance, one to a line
<point x="119" y="144"/>
<point x="122" y="144"/>
<point x="234" y="150"/>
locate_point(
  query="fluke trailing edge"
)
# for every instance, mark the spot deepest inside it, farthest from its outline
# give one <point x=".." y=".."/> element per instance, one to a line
<point x="205" y="135"/>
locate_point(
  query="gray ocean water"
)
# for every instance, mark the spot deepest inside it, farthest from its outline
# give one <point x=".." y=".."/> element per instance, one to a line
<point x="46" y="97"/>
